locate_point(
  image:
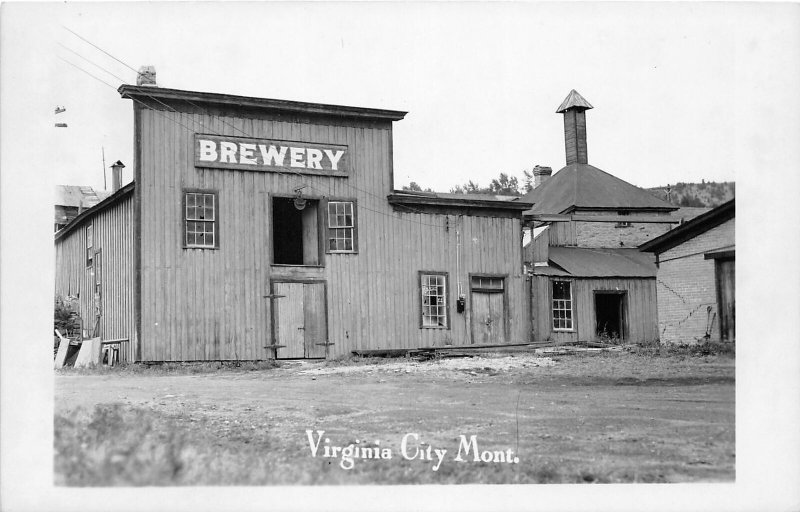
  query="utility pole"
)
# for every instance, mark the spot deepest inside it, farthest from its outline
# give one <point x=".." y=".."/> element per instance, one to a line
<point x="105" y="185"/>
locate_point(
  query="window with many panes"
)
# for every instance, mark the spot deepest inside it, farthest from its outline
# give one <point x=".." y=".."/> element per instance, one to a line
<point x="200" y="220"/>
<point x="433" y="288"/>
<point x="89" y="245"/>
<point x="341" y="226"/>
<point x="562" y="306"/>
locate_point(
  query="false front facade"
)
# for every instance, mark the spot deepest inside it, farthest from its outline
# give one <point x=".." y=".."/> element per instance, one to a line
<point x="270" y="229"/>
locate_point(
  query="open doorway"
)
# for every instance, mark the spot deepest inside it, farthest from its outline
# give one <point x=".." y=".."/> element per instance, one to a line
<point x="609" y="311"/>
<point x="295" y="233"/>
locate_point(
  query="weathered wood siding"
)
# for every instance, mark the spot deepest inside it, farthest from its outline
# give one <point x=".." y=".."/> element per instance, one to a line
<point x="641" y="311"/>
<point x="113" y="232"/>
<point x="541" y="247"/>
<point x="562" y="234"/>
<point x="575" y="136"/>
<point x="203" y="304"/>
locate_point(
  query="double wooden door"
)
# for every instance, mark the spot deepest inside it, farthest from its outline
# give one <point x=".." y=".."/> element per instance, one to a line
<point x="300" y="319"/>
<point x="488" y="318"/>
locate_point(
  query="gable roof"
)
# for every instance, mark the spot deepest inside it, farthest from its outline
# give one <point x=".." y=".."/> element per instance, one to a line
<point x="687" y="213"/>
<point x="89" y="213"/>
<point x="586" y="186"/>
<point x="585" y="262"/>
<point x="692" y="228"/>
<point x="78" y="196"/>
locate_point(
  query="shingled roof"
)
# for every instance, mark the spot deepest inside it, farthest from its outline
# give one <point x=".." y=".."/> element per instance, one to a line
<point x="585" y="186"/>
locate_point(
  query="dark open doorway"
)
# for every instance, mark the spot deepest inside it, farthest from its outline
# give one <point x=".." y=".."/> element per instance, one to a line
<point x="295" y="233"/>
<point x="609" y="310"/>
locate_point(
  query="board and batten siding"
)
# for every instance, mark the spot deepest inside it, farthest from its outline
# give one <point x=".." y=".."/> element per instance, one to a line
<point x="113" y="232"/>
<point x="641" y="311"/>
<point x="208" y="304"/>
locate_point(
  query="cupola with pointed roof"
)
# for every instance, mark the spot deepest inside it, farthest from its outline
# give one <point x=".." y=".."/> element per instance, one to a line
<point x="574" y="108"/>
<point x="580" y="186"/>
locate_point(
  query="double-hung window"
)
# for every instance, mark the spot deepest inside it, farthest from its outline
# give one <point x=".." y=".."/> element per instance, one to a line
<point x="200" y="220"/>
<point x="433" y="289"/>
<point x="562" y="306"/>
<point x="342" y="227"/>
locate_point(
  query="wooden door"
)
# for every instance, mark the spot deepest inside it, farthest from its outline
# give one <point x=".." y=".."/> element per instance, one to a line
<point x="289" y="320"/>
<point x="488" y="318"/>
<point x="315" y="319"/>
<point x="300" y="320"/>
<point x="726" y="298"/>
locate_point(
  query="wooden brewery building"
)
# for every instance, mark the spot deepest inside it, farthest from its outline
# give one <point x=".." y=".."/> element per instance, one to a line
<point x="257" y="228"/>
<point x="589" y="280"/>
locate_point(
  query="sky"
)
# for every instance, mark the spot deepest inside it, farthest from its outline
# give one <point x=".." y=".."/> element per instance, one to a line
<point x="481" y="81"/>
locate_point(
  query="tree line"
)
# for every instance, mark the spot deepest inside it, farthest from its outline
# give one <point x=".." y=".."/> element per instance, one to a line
<point x="503" y="185"/>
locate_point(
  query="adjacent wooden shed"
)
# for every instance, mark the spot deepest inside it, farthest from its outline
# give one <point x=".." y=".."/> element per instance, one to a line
<point x="260" y="228"/>
<point x="595" y="295"/>
<point x="95" y="260"/>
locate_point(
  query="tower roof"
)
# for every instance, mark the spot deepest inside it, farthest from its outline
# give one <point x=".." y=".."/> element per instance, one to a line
<point x="574" y="99"/>
<point x="587" y="187"/>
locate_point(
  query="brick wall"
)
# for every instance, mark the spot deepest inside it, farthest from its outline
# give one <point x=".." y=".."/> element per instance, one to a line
<point x="606" y="234"/>
<point x="686" y="287"/>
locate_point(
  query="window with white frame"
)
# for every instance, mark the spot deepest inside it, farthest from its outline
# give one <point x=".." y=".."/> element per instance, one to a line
<point x="200" y="220"/>
<point x="341" y="226"/>
<point x="89" y="244"/>
<point x="562" y="306"/>
<point x="433" y="287"/>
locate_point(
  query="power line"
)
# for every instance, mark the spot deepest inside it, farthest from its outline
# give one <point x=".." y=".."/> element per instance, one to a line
<point x="91" y="75"/>
<point x="90" y="62"/>
<point x="298" y="174"/>
<point x="190" y="130"/>
<point x="102" y="50"/>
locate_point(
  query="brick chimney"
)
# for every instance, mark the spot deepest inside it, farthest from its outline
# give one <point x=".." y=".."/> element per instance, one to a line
<point x="147" y="76"/>
<point x="540" y="175"/>
<point x="574" y="108"/>
<point x="116" y="175"/>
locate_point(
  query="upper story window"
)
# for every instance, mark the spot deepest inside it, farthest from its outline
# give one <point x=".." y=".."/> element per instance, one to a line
<point x="433" y="288"/>
<point x="89" y="244"/>
<point x="295" y="231"/>
<point x="562" y="306"/>
<point x="623" y="224"/>
<point x="200" y="220"/>
<point x="342" y="227"/>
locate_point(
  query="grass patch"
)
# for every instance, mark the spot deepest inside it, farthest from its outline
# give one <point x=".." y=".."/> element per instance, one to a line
<point x="144" y="369"/>
<point x="700" y="349"/>
<point x="120" y="445"/>
<point x="356" y="360"/>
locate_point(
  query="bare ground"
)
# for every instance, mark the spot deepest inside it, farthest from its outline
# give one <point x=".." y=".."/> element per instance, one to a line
<point x="589" y="417"/>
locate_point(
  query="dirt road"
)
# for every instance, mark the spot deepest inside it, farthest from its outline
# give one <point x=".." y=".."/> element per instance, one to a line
<point x="606" y="418"/>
